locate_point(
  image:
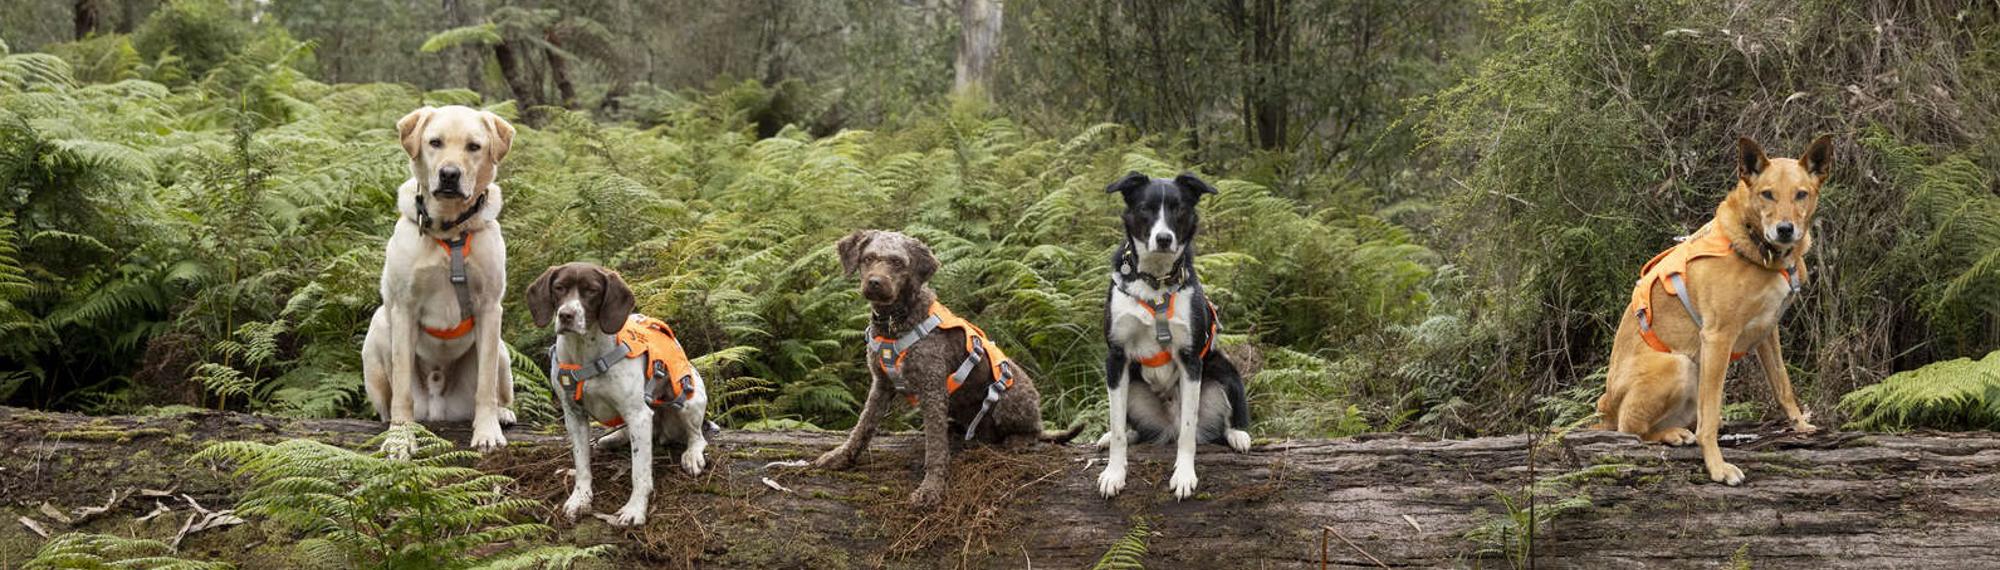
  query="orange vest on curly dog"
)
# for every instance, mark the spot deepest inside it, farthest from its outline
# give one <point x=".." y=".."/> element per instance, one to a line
<point x="1671" y="267"/>
<point x="889" y="353"/>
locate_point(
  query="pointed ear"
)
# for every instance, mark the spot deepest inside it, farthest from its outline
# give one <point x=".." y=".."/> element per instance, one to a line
<point x="614" y="302"/>
<point x="503" y="135"/>
<point x="411" y="127"/>
<point x="1132" y="181"/>
<point x="1750" y="159"/>
<point x="850" y="250"/>
<point x="1189" y="183"/>
<point x="922" y="263"/>
<point x="1818" y="158"/>
<point x="541" y="304"/>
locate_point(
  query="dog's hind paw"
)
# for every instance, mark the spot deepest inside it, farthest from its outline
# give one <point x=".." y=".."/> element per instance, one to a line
<point x="506" y="417"/>
<point x="617" y="439"/>
<point x="1239" y="440"/>
<point x="1111" y="481"/>
<point x="399" y="443"/>
<point x="1183" y="483"/>
<point x="1726" y="474"/>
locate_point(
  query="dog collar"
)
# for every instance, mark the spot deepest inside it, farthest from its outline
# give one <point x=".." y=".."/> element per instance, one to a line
<point x="457" y="249"/>
<point x="425" y="220"/>
<point x="1128" y="270"/>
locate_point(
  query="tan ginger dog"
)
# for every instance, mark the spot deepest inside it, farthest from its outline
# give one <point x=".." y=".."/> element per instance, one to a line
<point x="1710" y="300"/>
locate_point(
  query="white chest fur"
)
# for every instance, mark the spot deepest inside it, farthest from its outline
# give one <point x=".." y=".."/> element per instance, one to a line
<point x="1771" y="302"/>
<point x="1133" y="327"/>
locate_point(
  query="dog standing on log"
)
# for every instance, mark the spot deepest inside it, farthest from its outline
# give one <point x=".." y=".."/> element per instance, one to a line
<point x="1730" y="283"/>
<point x="433" y="350"/>
<point x="1161" y="329"/>
<point x="619" y="368"/>
<point x="919" y="349"/>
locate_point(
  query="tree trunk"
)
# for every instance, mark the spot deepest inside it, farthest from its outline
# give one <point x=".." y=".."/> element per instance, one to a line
<point x="559" y="70"/>
<point x="527" y="95"/>
<point x="1832" y="500"/>
<point x="87" y="17"/>
<point x="471" y="58"/>
<point x="978" y="45"/>
<point x="1270" y="64"/>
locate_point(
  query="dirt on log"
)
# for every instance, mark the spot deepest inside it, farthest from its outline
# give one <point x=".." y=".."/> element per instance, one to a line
<point x="1830" y="500"/>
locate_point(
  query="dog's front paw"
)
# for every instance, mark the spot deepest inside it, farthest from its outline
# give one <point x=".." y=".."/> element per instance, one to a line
<point x="578" y="503"/>
<point x="1802" y="426"/>
<point x="487" y="438"/>
<point x="1183" y="483"/>
<point x="1239" y="440"/>
<point x="1726" y="474"/>
<point x="692" y="460"/>
<point x="835" y="460"/>
<point x="399" y="443"/>
<point x="634" y="514"/>
<point x="1111" y="481"/>
<point x="927" y="495"/>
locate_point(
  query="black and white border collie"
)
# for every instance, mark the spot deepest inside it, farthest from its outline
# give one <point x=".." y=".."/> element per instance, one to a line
<point x="1160" y="328"/>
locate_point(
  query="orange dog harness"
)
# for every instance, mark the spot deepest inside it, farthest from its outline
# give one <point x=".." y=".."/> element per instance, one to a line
<point x="458" y="250"/>
<point x="1163" y="332"/>
<point x="1671" y="266"/>
<point x="670" y="375"/>
<point x="889" y="353"/>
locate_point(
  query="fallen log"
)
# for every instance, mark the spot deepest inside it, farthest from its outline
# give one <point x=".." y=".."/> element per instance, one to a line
<point x="1829" y="500"/>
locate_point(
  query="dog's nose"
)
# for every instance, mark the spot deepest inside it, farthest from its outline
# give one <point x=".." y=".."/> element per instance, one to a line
<point x="568" y="316"/>
<point x="1786" y="231"/>
<point x="448" y="178"/>
<point x="875" y="284"/>
<point x="1163" y="241"/>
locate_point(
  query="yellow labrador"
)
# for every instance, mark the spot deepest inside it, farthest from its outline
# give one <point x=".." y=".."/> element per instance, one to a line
<point x="433" y="350"/>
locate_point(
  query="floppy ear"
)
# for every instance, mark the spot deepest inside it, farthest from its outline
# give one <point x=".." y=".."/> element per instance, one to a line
<point x="1189" y="183"/>
<point x="540" y="303"/>
<point x="850" y="249"/>
<point x="922" y="263"/>
<point x="1818" y="157"/>
<point x="411" y="126"/>
<point x="503" y="136"/>
<point x="1750" y="159"/>
<point x="614" y="302"/>
<point x="1132" y="181"/>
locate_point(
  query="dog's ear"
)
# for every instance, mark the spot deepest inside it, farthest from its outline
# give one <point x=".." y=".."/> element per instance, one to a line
<point x="1193" y="185"/>
<point x="850" y="250"/>
<point x="541" y="304"/>
<point x="1133" y="180"/>
<point x="1818" y="158"/>
<point x="922" y="263"/>
<point x="411" y="127"/>
<point x="1750" y="159"/>
<point x="503" y="135"/>
<point x="614" y="302"/>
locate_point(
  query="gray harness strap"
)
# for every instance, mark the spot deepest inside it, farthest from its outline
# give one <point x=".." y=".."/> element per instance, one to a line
<point x="994" y="389"/>
<point x="456" y="248"/>
<point x="1162" y="326"/>
<point x="1681" y="291"/>
<point x="890" y="354"/>
<point x="570" y="380"/>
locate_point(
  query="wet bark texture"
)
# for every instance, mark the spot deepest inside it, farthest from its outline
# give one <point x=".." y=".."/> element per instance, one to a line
<point x="1842" y="500"/>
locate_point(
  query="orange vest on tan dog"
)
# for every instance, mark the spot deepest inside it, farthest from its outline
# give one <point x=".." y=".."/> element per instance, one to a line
<point x="1671" y="267"/>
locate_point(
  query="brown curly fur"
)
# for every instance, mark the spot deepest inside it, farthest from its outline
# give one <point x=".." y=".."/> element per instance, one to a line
<point x="895" y="270"/>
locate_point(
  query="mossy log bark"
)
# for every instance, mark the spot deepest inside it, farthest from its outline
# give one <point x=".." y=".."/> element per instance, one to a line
<point x="1845" y="500"/>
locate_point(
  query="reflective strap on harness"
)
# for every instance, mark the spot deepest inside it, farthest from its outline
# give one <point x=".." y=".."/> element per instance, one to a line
<point x="572" y="376"/>
<point x="457" y="250"/>
<point x="1681" y="292"/>
<point x="889" y="353"/>
<point x="1162" y="330"/>
<point x="993" y="389"/>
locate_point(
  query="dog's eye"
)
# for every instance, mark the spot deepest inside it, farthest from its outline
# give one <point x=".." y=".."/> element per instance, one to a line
<point x="1801" y="196"/>
<point x="437" y="143"/>
<point x="896" y="263"/>
<point x="1767" y="195"/>
<point x="474" y="147"/>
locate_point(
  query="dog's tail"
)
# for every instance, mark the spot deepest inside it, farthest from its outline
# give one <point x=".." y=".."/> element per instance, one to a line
<point x="1062" y="437"/>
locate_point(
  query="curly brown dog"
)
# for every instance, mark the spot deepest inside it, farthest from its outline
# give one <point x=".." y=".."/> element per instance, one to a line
<point x="943" y="364"/>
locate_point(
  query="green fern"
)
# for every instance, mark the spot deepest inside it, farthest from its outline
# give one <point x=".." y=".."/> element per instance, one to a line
<point x="81" y="551"/>
<point x="362" y="510"/>
<point x="1129" y="552"/>
<point x="1961" y="394"/>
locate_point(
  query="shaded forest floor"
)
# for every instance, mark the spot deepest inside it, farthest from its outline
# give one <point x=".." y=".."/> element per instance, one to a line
<point x="1838" y="500"/>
